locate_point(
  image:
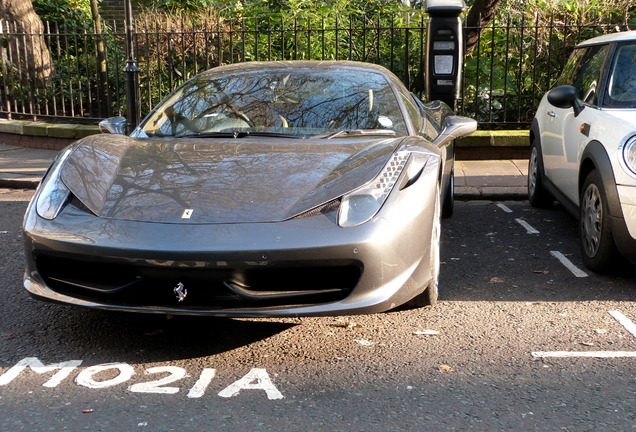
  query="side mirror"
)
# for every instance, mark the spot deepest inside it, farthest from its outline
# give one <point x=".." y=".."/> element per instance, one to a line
<point x="113" y="125"/>
<point x="564" y="97"/>
<point x="455" y="127"/>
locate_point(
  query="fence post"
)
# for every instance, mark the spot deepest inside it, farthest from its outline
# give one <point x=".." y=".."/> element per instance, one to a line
<point x="132" y="74"/>
<point x="4" y="58"/>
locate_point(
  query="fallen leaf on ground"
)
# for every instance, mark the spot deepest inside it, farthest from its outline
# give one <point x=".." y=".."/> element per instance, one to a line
<point x="446" y="368"/>
<point x="154" y="332"/>
<point x="496" y="280"/>
<point x="349" y="325"/>
<point x="426" y="332"/>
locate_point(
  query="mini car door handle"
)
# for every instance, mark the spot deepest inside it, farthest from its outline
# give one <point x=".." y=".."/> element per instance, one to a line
<point x="551" y="113"/>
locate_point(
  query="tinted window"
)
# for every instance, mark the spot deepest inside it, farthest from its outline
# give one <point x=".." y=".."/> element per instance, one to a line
<point x="583" y="71"/>
<point x="412" y="110"/>
<point x="621" y="87"/>
<point x="430" y="128"/>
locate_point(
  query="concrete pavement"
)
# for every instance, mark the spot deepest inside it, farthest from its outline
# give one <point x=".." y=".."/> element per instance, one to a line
<point x="491" y="179"/>
<point x="22" y="168"/>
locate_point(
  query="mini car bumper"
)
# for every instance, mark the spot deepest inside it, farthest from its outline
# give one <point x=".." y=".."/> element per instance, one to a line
<point x="301" y="267"/>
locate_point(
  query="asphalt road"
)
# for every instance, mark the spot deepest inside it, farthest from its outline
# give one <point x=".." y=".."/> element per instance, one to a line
<point x="492" y="355"/>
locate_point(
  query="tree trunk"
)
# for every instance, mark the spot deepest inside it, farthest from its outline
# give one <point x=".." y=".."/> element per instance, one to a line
<point x="102" y="71"/>
<point x="478" y="16"/>
<point x="29" y="52"/>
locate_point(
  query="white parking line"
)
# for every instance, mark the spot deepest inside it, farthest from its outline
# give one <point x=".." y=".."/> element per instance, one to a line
<point x="622" y="319"/>
<point x="527" y="226"/>
<point x="504" y="208"/>
<point x="593" y="354"/>
<point x="568" y="264"/>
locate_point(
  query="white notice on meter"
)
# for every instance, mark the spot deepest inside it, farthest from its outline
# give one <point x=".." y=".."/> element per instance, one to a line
<point x="443" y="64"/>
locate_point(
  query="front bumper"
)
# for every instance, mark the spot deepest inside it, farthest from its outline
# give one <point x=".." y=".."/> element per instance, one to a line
<point x="369" y="268"/>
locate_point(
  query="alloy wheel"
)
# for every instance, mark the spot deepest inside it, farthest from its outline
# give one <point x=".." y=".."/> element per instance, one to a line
<point x="591" y="220"/>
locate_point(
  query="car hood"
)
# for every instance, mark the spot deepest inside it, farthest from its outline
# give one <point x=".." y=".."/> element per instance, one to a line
<point x="624" y="114"/>
<point x="246" y="180"/>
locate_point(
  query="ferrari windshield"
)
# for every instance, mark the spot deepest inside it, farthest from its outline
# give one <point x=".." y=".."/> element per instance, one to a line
<point x="291" y="101"/>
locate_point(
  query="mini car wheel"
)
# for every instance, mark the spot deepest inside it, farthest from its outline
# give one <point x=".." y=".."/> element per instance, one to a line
<point x="429" y="296"/>
<point x="537" y="194"/>
<point x="597" y="242"/>
<point x="449" y="199"/>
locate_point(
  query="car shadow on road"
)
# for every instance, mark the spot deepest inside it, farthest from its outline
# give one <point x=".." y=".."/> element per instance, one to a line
<point x="488" y="255"/>
<point x="76" y="333"/>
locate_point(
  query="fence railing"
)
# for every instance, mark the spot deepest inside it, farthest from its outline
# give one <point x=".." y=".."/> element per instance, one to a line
<point x="513" y="64"/>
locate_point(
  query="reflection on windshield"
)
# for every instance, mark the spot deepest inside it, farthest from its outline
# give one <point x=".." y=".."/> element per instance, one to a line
<point x="299" y="101"/>
<point x="622" y="83"/>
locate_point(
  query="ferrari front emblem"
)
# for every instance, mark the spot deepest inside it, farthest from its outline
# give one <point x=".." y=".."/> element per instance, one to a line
<point x="181" y="292"/>
<point x="187" y="214"/>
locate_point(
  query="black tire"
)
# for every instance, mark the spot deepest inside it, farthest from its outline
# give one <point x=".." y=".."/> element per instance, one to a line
<point x="538" y="195"/>
<point x="448" y="207"/>
<point x="595" y="231"/>
<point x="430" y="294"/>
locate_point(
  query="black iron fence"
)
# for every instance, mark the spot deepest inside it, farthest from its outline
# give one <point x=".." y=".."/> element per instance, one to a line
<point x="513" y="64"/>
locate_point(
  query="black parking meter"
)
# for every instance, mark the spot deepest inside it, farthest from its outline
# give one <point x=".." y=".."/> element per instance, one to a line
<point x="444" y="50"/>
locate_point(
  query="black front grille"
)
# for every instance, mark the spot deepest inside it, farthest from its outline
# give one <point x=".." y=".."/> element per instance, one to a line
<point x="232" y="286"/>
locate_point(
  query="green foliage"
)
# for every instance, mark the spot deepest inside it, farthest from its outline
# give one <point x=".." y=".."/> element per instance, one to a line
<point x="177" y="6"/>
<point x="69" y="13"/>
<point x="536" y="36"/>
<point x="518" y="58"/>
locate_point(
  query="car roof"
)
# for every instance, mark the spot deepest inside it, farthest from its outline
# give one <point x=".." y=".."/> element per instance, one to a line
<point x="313" y="64"/>
<point x="614" y="37"/>
<point x="317" y="64"/>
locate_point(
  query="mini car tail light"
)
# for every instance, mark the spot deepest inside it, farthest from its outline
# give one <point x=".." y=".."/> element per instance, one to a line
<point x="629" y="153"/>
<point x="362" y="204"/>
<point x="53" y="193"/>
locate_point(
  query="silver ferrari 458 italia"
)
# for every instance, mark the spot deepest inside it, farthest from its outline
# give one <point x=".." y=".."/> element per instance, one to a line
<point x="256" y="189"/>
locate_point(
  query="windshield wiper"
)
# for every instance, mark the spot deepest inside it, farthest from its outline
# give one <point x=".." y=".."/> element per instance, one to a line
<point x="224" y="134"/>
<point x="357" y="132"/>
<point x="236" y="134"/>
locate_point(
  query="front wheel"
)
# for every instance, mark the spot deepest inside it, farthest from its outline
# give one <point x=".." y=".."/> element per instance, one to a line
<point x="597" y="241"/>
<point x="537" y="194"/>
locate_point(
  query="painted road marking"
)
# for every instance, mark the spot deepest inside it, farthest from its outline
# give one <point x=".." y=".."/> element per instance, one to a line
<point x="504" y="208"/>
<point x="593" y="354"/>
<point x="527" y="226"/>
<point x="622" y="319"/>
<point x="255" y="379"/>
<point x="568" y="264"/>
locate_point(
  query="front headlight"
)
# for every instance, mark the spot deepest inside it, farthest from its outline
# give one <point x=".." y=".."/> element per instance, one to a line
<point x="362" y="204"/>
<point x="629" y="153"/>
<point x="53" y="193"/>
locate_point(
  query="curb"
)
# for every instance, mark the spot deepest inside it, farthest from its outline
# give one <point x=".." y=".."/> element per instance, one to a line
<point x="19" y="184"/>
<point x="491" y="193"/>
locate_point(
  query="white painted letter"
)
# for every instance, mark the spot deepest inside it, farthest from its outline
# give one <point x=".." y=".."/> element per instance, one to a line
<point x="175" y="374"/>
<point x="199" y="387"/>
<point x="263" y="382"/>
<point x="85" y="378"/>
<point x="36" y="366"/>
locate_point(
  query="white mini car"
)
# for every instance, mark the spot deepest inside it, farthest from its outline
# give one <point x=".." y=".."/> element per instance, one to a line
<point x="583" y="148"/>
